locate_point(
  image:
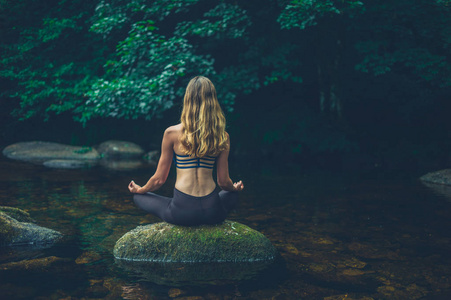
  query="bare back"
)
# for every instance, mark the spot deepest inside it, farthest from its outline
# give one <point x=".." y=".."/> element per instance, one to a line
<point x="192" y="181"/>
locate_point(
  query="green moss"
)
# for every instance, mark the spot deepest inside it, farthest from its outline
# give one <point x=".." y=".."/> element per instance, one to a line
<point x="229" y="241"/>
<point x="8" y="215"/>
<point x="7" y="231"/>
<point x="17" y="227"/>
<point x="16" y="213"/>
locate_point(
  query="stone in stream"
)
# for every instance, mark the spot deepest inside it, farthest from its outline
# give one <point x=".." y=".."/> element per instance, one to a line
<point x="152" y="157"/>
<point x="226" y="242"/>
<point x="119" y="150"/>
<point x="40" y="152"/>
<point x="38" y="264"/>
<point x="438" y="177"/>
<point x="17" y="228"/>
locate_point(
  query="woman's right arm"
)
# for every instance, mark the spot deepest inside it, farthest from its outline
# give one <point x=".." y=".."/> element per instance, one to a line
<point x="223" y="177"/>
<point x="163" y="168"/>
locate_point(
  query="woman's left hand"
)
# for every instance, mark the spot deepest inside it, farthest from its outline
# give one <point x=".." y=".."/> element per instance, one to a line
<point x="133" y="187"/>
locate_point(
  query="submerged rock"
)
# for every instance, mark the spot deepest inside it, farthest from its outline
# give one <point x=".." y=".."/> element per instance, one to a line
<point x="119" y="150"/>
<point x="15" y="232"/>
<point x="163" y="242"/>
<point x="39" y="152"/>
<point x="38" y="264"/>
<point x="438" y="177"/>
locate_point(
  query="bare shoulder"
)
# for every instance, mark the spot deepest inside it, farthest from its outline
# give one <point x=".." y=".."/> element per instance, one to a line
<point x="175" y="129"/>
<point x="173" y="132"/>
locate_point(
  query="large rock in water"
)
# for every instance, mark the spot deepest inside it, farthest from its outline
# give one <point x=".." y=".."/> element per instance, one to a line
<point x="40" y="152"/>
<point x="120" y="150"/>
<point x="438" y="177"/>
<point x="163" y="242"/>
<point x="17" y="228"/>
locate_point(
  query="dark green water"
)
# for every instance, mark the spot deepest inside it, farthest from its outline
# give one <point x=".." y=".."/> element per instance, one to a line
<point x="339" y="237"/>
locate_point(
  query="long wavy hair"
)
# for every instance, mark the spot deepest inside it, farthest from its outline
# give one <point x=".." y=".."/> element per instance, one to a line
<point x="203" y="121"/>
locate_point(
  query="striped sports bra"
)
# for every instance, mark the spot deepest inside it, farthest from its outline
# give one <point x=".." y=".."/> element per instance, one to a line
<point x="186" y="162"/>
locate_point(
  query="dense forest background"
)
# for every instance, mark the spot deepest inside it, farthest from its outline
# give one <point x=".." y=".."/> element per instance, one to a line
<point x="343" y="85"/>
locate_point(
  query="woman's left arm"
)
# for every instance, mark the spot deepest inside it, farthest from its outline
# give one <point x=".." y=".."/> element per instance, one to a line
<point x="163" y="168"/>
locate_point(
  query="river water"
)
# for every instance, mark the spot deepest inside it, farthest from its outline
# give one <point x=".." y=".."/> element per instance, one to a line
<point x="340" y="236"/>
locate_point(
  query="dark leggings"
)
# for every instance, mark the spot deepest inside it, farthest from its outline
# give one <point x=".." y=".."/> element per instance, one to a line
<point x="187" y="210"/>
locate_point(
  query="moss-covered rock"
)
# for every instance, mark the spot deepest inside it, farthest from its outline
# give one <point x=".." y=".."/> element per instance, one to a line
<point x="16" y="213"/>
<point x="438" y="177"/>
<point x="120" y="149"/>
<point x="163" y="242"/>
<point x="16" y="228"/>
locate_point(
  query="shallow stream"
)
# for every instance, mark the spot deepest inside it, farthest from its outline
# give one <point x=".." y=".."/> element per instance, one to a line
<point x="339" y="236"/>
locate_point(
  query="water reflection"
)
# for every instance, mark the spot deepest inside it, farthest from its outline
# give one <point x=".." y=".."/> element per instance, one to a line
<point x="123" y="165"/>
<point x="198" y="274"/>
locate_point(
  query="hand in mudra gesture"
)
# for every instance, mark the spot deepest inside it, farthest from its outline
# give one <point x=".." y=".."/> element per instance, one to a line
<point x="133" y="187"/>
<point x="239" y="186"/>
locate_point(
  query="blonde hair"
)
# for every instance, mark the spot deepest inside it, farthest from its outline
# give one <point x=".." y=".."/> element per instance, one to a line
<point x="202" y="120"/>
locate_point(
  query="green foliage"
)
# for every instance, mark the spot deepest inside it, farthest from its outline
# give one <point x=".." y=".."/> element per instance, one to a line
<point x="46" y="57"/>
<point x="305" y="13"/>
<point x="223" y="21"/>
<point x="146" y="59"/>
<point x="144" y="80"/>
<point x="132" y="59"/>
<point x="150" y="70"/>
<point x="280" y="66"/>
<point x="407" y="39"/>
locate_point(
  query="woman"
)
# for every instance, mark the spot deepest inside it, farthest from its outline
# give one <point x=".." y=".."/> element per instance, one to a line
<point x="195" y="145"/>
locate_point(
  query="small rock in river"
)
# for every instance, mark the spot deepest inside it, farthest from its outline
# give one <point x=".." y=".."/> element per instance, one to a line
<point x="438" y="177"/>
<point x="88" y="257"/>
<point x="353" y="272"/>
<point x="120" y="150"/>
<point x="14" y="232"/>
<point x="32" y="264"/>
<point x="152" y="157"/>
<point x="291" y="249"/>
<point x="175" y="292"/>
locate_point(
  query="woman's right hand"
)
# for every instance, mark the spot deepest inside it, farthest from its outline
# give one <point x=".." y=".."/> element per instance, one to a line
<point x="133" y="187"/>
<point x="238" y="186"/>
